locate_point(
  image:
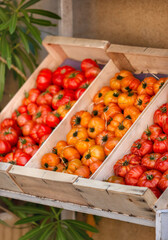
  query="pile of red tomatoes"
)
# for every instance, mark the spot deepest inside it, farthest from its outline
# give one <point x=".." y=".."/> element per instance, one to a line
<point x="42" y="109"/>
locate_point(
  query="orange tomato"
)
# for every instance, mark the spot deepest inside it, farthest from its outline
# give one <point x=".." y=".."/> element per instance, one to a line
<point x="110" y="111"/>
<point x="59" y="147"/>
<point x="131" y="113"/>
<point x="123" y="128"/>
<point x="147" y="86"/>
<point x="129" y="83"/>
<point x="50" y="161"/>
<point x="98" y="98"/>
<point x="157" y="85"/>
<point x="60" y="167"/>
<point x="115" y="121"/>
<point x="74" y="165"/>
<point x="83" y="171"/>
<point x="75" y="134"/>
<point x="111" y="97"/>
<point x="98" y="109"/>
<point x="81" y="118"/>
<point x="96" y="125"/>
<point x="82" y="145"/>
<point x="93" y="154"/>
<point x="110" y="145"/>
<point x="142" y="101"/>
<point x="115" y="82"/>
<point x="103" y="137"/>
<point x="126" y="99"/>
<point x="69" y="153"/>
<point x="116" y="179"/>
<point x="64" y="109"/>
<point x="94" y="166"/>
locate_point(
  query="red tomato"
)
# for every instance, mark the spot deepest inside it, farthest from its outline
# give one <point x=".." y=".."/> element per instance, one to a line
<point x="124" y="165"/>
<point x="33" y="95"/>
<point x="88" y="63"/>
<point x="149" y="179"/>
<point x="22" y="109"/>
<point x="85" y="84"/>
<point x="134" y="174"/>
<point x="9" y="158"/>
<point x="162" y="163"/>
<point x="1" y="158"/>
<point x="152" y="132"/>
<point x="79" y="92"/>
<point x="115" y="179"/>
<point x="53" y="89"/>
<point x="62" y="97"/>
<point x="31" y="149"/>
<point x="161" y="114"/>
<point x="43" y="130"/>
<point x="161" y="144"/>
<point x="149" y="160"/>
<point x="5" y="147"/>
<point x="44" y="79"/>
<point x="10" y="135"/>
<point x="142" y="147"/>
<point x="92" y="72"/>
<point x="22" y="158"/>
<point x="24" y="141"/>
<point x="41" y="114"/>
<point x="60" y="73"/>
<point x="163" y="183"/>
<point x="26" y="129"/>
<point x="43" y="138"/>
<point x="52" y="120"/>
<point x="33" y="133"/>
<point x="165" y="126"/>
<point x="32" y="108"/>
<point x="156" y="191"/>
<point x="23" y="118"/>
<point x="73" y="80"/>
<point x="8" y="122"/>
<point x="15" y="115"/>
<point x="44" y="98"/>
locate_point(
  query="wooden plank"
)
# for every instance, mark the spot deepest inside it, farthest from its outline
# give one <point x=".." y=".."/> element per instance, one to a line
<point x="42" y="183"/>
<point x="77" y="208"/>
<point x="6" y="182"/>
<point x="162" y="202"/>
<point x="133" y="201"/>
<point x="140" y="59"/>
<point x="135" y="132"/>
<point x="161" y="225"/>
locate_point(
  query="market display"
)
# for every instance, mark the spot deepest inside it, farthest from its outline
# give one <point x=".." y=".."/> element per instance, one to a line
<point x="42" y="109"/>
<point x="147" y="163"/>
<point x="94" y="134"/>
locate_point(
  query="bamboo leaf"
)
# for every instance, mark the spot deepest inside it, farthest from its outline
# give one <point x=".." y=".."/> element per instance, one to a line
<point x="12" y="24"/>
<point x="60" y="233"/>
<point x="31" y="210"/>
<point x="3" y="15"/>
<point x="82" y="225"/>
<point x="44" y="13"/>
<point x="34" y="31"/>
<point x="47" y="233"/>
<point x="26" y="59"/>
<point x="24" y="40"/>
<point x="4" y="25"/>
<point x="74" y="233"/>
<point x="29" y="3"/>
<point x="26" y="15"/>
<point x="84" y="234"/>
<point x="2" y="79"/>
<point x="41" y="22"/>
<point x="29" y="219"/>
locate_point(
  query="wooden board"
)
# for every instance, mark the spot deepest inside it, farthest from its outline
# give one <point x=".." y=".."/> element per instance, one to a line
<point x="132" y="201"/>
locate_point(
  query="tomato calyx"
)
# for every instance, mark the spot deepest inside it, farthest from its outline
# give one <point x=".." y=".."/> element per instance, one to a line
<point x="115" y="94"/>
<point x="57" y="115"/>
<point x="77" y="120"/>
<point x="46" y="165"/>
<point x="105" y="138"/>
<point x="100" y="95"/>
<point x="67" y="106"/>
<point x="121" y="126"/>
<point x="64" y="160"/>
<point x="86" y="140"/>
<point x="60" y="96"/>
<point x="105" y="109"/>
<point x="166" y="176"/>
<point x="128" y="117"/>
<point x="23" y="141"/>
<point x="139" y="102"/>
<point x="75" y="134"/>
<point x="72" y="75"/>
<point x="88" y="156"/>
<point x="91" y="129"/>
<point x="152" y="157"/>
<point x="85" y="86"/>
<point x="162" y="139"/>
<point x="109" y="121"/>
<point x="128" y="89"/>
<point x="26" y="94"/>
<point x="144" y="85"/>
<point x="149" y="177"/>
<point x="17" y="113"/>
<point x="161" y="84"/>
<point x="63" y="71"/>
<point x="138" y="145"/>
<point x="119" y="77"/>
<point x="55" y="169"/>
<point x="148" y="132"/>
<point x="164" y="158"/>
<point x="38" y="115"/>
<point x="125" y="163"/>
<point x="130" y="94"/>
<point x="163" y="109"/>
<point x="95" y="113"/>
<point x="54" y="150"/>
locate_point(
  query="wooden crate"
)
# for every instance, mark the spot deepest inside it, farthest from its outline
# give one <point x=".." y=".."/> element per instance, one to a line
<point x="44" y="183"/>
<point x="130" y="200"/>
<point x="59" y="49"/>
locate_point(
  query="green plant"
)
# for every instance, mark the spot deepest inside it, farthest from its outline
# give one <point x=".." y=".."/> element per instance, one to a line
<point x="46" y="223"/>
<point x="20" y="39"/>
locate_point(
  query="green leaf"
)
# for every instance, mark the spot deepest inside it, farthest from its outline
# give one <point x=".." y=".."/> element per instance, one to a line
<point x="31" y="210"/>
<point x="2" y="79"/>
<point x="41" y="22"/>
<point x="26" y="15"/>
<point x="82" y="225"/>
<point x="84" y="234"/>
<point x="3" y="16"/>
<point x="47" y="233"/>
<point x="74" y="233"/>
<point x="44" y="13"/>
<point x="29" y="219"/>
<point x="24" y="39"/>
<point x="12" y="24"/>
<point x="34" y="31"/>
<point x="4" y="25"/>
<point x="29" y="3"/>
<point x="32" y="233"/>
<point x="26" y="59"/>
<point x="60" y="233"/>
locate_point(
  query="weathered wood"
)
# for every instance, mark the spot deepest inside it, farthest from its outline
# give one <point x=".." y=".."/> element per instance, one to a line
<point x="161" y="225"/>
